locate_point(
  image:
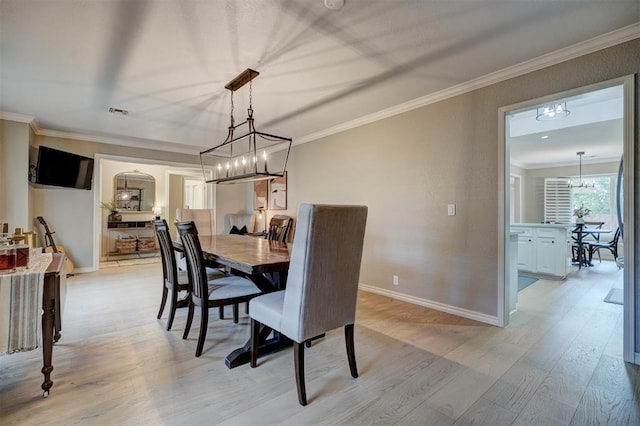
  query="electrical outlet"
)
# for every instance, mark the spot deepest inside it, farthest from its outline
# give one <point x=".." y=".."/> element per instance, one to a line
<point x="395" y="280"/>
<point x="451" y="209"/>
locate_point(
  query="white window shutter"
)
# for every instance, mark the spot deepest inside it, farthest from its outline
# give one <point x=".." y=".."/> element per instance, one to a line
<point x="557" y="200"/>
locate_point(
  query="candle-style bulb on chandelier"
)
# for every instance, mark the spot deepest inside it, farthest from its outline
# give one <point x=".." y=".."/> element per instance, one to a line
<point x="248" y="156"/>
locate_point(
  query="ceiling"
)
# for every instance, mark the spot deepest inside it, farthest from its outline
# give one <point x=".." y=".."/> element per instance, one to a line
<point x="66" y="62"/>
<point x="594" y="126"/>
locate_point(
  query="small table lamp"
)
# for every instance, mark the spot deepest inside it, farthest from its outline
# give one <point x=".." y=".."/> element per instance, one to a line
<point x="262" y="218"/>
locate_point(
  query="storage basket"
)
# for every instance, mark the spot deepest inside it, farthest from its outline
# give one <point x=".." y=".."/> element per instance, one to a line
<point x="146" y="243"/>
<point x="126" y="244"/>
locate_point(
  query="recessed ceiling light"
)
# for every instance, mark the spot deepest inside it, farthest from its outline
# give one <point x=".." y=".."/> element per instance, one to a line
<point x="334" y="4"/>
<point x="118" y="111"/>
<point x="544" y="137"/>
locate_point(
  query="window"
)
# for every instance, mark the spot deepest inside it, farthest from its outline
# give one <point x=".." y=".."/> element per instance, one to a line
<point x="557" y="201"/>
<point x="600" y="199"/>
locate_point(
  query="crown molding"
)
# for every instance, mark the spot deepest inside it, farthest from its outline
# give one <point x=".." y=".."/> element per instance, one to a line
<point x="604" y="41"/>
<point x="132" y="143"/>
<point x="20" y="118"/>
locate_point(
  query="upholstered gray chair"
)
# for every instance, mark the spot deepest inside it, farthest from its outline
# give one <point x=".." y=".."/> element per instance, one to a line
<point x="174" y="280"/>
<point x="229" y="290"/>
<point x="322" y="285"/>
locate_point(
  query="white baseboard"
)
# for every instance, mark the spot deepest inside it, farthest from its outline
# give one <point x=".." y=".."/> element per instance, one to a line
<point x="465" y="313"/>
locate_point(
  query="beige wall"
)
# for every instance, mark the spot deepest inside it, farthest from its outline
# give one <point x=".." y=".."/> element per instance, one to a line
<point x="407" y="169"/>
<point x="14" y="172"/>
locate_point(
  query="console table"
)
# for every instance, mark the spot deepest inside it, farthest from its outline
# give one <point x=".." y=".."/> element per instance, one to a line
<point x="41" y="288"/>
<point x="137" y="228"/>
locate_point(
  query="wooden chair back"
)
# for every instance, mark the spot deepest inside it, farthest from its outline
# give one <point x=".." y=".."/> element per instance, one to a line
<point x="279" y="226"/>
<point x="169" y="264"/>
<point x="195" y="263"/>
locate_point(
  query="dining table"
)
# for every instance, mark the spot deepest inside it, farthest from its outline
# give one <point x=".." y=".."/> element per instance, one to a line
<point x="580" y="231"/>
<point x="265" y="262"/>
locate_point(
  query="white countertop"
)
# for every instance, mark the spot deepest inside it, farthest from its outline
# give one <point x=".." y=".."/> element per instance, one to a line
<point x="540" y="225"/>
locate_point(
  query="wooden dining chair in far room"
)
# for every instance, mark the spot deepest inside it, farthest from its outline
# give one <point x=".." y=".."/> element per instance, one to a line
<point x="612" y="246"/>
<point x="174" y="281"/>
<point x="205" y="294"/>
<point x="279" y="227"/>
<point x="322" y="284"/>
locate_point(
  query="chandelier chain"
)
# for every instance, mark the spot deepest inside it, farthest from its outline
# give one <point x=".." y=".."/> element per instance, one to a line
<point x="232" y="120"/>
<point x="250" y="111"/>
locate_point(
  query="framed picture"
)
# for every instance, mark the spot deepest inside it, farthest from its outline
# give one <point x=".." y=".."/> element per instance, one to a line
<point x="260" y="191"/>
<point x="278" y="193"/>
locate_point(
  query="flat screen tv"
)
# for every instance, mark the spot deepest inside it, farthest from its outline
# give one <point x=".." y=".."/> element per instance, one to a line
<point x="60" y="168"/>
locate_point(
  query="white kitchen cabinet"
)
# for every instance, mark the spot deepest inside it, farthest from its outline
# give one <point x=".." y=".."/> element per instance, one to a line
<point x="543" y="249"/>
<point x="526" y="252"/>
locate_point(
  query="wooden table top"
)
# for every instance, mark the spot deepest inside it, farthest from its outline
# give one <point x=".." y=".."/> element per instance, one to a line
<point x="247" y="254"/>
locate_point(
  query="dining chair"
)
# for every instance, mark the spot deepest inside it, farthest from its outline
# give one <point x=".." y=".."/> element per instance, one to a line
<point x="279" y="227"/>
<point x="174" y="280"/>
<point x="220" y="292"/>
<point x="612" y="246"/>
<point x="589" y="237"/>
<point x="322" y="284"/>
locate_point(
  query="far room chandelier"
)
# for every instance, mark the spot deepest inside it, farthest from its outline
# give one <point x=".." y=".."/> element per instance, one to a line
<point x="552" y="111"/>
<point x="581" y="183"/>
<point x="245" y="155"/>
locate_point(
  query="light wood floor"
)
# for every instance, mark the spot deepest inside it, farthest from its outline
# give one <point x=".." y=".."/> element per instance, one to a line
<point x="558" y="362"/>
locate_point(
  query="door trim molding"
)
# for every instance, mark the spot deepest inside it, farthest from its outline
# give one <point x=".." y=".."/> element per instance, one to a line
<point x="630" y="267"/>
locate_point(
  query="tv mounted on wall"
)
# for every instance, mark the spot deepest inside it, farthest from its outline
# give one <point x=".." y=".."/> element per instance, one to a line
<point x="60" y="168"/>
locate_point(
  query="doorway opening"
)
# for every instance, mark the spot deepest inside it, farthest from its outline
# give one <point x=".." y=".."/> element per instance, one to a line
<point x="544" y="185"/>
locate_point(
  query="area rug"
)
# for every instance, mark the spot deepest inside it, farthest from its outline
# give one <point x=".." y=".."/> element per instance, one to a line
<point x="616" y="295"/>
<point x="524" y="281"/>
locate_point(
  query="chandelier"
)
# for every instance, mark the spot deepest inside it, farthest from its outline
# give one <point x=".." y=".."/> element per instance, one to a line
<point x="246" y="154"/>
<point x="581" y="183"/>
<point x="552" y="111"/>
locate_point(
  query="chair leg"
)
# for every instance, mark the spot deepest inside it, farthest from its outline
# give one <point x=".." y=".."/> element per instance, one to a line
<point x="235" y="313"/>
<point x="246" y="308"/>
<point x="255" y="337"/>
<point x="221" y="312"/>
<point x="173" y="302"/>
<point x="187" y="326"/>
<point x="204" y="323"/>
<point x="351" y="354"/>
<point x="298" y="356"/>
<point x="164" y="300"/>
